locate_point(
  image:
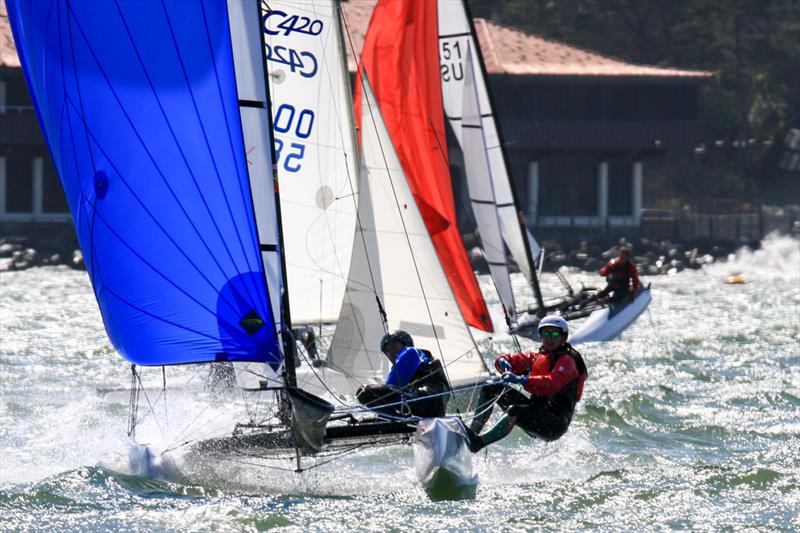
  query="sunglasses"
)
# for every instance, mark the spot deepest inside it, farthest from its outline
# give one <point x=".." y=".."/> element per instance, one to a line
<point x="549" y="334"/>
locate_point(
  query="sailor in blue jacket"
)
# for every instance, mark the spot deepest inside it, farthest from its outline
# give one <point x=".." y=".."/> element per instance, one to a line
<point x="414" y="376"/>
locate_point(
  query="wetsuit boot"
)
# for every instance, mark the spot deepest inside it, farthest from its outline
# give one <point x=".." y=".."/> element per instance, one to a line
<point x="503" y="427"/>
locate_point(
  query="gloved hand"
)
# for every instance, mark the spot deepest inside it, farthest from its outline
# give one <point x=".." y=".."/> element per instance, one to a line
<point x="504" y="365"/>
<point x="509" y="378"/>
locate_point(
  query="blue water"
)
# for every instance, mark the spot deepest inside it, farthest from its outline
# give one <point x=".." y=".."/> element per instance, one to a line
<point x="690" y="421"/>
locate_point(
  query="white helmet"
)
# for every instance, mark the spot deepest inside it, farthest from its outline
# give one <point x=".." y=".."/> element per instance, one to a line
<point x="555" y="321"/>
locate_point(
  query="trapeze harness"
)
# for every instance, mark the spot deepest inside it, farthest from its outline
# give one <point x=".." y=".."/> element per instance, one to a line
<point x="415" y="375"/>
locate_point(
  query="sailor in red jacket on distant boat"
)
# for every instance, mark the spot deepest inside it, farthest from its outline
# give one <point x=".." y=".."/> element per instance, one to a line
<point x="622" y="277"/>
<point x="554" y="377"/>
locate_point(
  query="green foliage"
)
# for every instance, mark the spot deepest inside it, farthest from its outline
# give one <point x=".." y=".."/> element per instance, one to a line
<point x="752" y="45"/>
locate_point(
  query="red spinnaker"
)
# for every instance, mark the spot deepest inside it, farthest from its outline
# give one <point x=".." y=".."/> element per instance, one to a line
<point x="401" y="59"/>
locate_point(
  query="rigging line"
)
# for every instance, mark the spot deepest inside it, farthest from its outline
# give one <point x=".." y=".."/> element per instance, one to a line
<point x="473" y="223"/>
<point x="472" y="220"/>
<point x="360" y="226"/>
<point x="211" y="154"/>
<point x="133" y="404"/>
<point x="250" y="226"/>
<point x="152" y="408"/>
<point x="325" y="385"/>
<point x="349" y="121"/>
<point x="152" y="159"/>
<point x="402" y="219"/>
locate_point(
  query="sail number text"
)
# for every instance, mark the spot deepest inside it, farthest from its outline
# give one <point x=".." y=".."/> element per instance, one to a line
<point x="277" y="22"/>
<point x="451" y="60"/>
<point x="300" y="124"/>
<point x="293" y="59"/>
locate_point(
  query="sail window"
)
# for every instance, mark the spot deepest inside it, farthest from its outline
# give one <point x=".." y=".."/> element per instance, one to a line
<point x="251" y="323"/>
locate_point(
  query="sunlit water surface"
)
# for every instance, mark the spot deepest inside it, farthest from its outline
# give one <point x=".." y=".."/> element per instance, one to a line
<point x="690" y="421"/>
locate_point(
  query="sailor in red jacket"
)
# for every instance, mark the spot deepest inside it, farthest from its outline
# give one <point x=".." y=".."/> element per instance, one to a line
<point x="621" y="275"/>
<point x="554" y="378"/>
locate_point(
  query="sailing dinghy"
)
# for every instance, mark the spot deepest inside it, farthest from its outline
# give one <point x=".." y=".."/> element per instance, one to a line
<point x="157" y="117"/>
<point x="469" y="107"/>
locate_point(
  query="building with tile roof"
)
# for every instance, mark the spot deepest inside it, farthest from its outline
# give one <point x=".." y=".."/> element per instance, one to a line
<point x="578" y="126"/>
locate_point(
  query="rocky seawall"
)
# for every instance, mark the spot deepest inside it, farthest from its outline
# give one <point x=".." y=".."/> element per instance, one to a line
<point x="651" y="256"/>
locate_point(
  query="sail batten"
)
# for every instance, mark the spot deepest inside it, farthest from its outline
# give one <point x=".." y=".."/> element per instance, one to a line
<point x="139" y="106"/>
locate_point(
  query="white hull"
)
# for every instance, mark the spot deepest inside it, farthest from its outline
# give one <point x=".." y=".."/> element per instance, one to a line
<point x="607" y="324"/>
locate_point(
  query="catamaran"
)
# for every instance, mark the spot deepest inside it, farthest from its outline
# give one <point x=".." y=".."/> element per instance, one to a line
<point x="172" y="154"/>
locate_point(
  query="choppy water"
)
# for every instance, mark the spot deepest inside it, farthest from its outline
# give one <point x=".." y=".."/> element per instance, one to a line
<point x="690" y="421"/>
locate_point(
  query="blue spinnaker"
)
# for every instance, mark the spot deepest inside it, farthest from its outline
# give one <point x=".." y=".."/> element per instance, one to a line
<point x="138" y="103"/>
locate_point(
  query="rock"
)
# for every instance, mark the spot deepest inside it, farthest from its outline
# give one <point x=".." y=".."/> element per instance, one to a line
<point x="54" y="259"/>
<point x="77" y="260"/>
<point x="7" y="249"/>
<point x="24" y="259"/>
<point x="652" y="270"/>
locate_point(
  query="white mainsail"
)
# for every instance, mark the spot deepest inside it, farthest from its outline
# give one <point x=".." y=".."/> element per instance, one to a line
<point x="481" y="192"/>
<point x="315" y="151"/>
<point x="394" y="262"/>
<point x="456" y="41"/>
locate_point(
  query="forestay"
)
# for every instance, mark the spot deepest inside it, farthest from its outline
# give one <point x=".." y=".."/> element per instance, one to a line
<point x="399" y="55"/>
<point x="456" y="42"/>
<point x="315" y="151"/>
<point x="139" y="107"/>
<point x="395" y="261"/>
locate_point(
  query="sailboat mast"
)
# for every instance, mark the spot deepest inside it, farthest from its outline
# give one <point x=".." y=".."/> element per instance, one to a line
<point x="289" y="355"/>
<point x="534" y="277"/>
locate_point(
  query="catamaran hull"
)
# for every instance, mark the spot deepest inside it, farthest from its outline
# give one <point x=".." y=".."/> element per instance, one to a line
<point x="607" y="324"/>
<point x="443" y="462"/>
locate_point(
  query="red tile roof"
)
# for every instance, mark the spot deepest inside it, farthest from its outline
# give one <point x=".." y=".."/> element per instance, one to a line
<point x="8" y="52"/>
<point x="509" y="51"/>
<point x="505" y="50"/>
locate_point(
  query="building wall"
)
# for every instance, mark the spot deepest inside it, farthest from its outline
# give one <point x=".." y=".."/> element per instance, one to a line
<point x="29" y="186"/>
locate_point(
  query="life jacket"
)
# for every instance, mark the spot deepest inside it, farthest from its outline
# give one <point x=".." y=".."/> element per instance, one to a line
<point x="618" y="274"/>
<point x="431" y="375"/>
<point x="564" y="401"/>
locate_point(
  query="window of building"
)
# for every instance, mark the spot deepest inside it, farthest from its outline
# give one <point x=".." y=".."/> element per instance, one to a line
<point x="16" y="94"/>
<point x="620" y="187"/>
<point x="18" y="184"/>
<point x="53" y="199"/>
<point x="568" y="187"/>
